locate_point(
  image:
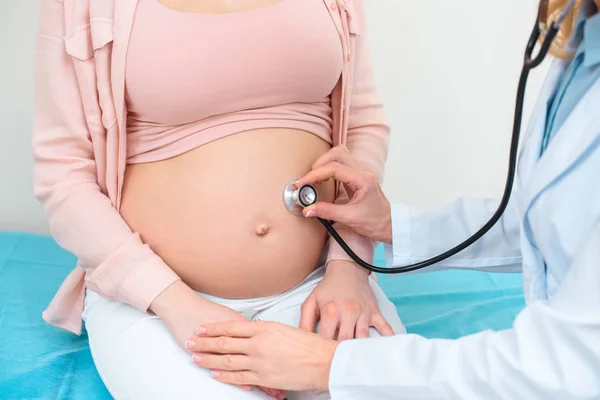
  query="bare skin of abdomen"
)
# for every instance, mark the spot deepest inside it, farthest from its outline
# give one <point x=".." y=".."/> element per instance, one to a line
<point x="216" y="216"/>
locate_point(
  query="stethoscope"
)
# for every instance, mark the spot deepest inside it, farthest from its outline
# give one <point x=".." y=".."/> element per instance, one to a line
<point x="296" y="199"/>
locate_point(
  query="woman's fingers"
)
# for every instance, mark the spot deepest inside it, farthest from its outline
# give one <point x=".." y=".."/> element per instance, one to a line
<point x="341" y="173"/>
<point x="378" y="322"/>
<point x="362" y="327"/>
<point x="309" y="315"/>
<point x="227" y="362"/>
<point x="329" y="321"/>
<point x="219" y="345"/>
<point x="347" y="326"/>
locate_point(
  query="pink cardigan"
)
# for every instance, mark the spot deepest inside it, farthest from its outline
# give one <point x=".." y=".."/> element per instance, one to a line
<point x="79" y="146"/>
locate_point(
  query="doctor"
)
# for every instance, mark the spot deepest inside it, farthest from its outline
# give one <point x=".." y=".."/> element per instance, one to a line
<point x="551" y="229"/>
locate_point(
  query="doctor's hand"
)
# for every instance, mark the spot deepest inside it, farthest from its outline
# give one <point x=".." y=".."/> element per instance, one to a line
<point x="368" y="212"/>
<point x="182" y="310"/>
<point x="265" y="354"/>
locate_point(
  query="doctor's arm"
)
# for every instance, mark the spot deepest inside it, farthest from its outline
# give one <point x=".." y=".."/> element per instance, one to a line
<point x="417" y="236"/>
<point x="412" y="236"/>
<point x="552" y="352"/>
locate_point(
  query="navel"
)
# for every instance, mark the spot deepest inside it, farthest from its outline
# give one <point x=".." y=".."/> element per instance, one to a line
<point x="262" y="230"/>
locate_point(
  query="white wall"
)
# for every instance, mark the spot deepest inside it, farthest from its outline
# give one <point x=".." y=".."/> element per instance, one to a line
<point x="18" y="209"/>
<point x="447" y="74"/>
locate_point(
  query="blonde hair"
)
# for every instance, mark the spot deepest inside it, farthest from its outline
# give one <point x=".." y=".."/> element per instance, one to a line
<point x="559" y="46"/>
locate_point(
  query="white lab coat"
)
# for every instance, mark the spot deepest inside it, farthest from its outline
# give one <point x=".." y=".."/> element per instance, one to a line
<point x="552" y="230"/>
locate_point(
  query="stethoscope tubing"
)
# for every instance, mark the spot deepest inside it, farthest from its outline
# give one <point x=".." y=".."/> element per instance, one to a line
<point x="529" y="64"/>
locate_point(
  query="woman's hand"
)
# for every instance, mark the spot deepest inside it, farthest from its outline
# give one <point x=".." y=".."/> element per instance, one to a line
<point x="265" y="353"/>
<point x="344" y="303"/>
<point x="368" y="212"/>
<point x="182" y="310"/>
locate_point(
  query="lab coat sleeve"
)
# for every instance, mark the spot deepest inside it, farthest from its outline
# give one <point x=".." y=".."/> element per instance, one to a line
<point x="419" y="236"/>
<point x="551" y="353"/>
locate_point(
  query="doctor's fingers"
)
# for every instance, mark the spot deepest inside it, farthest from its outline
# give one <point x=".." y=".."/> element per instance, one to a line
<point x="218" y="345"/>
<point x="352" y="177"/>
<point x="223" y="362"/>
<point x="239" y="329"/>
<point x="237" y="378"/>
<point x="331" y="212"/>
<point x="339" y="154"/>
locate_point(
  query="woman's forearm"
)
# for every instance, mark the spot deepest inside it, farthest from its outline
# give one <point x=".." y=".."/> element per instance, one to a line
<point x="342" y="266"/>
<point x="184" y="311"/>
<point x="170" y="300"/>
<point x="82" y="217"/>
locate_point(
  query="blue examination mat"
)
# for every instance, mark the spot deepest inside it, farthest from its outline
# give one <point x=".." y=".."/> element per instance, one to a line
<point x="38" y="361"/>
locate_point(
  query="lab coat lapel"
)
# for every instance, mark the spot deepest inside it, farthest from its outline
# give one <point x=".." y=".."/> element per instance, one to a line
<point x="579" y="132"/>
<point x="530" y="150"/>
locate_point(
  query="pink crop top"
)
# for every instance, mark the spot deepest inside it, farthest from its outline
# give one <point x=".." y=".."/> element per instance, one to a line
<point x="194" y="78"/>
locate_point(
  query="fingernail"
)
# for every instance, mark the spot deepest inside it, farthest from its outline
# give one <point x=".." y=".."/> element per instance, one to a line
<point x="215" y="374"/>
<point x="190" y="344"/>
<point x="200" y="331"/>
<point x="246" y="388"/>
<point x="311" y="213"/>
<point x="196" y="358"/>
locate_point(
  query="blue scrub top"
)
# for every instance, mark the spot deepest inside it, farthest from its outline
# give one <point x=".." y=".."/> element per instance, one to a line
<point x="578" y="77"/>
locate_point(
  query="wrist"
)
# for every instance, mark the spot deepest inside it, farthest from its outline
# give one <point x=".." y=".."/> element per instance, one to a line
<point x="325" y="365"/>
<point x="346" y="267"/>
<point x="386" y="225"/>
<point x="171" y="298"/>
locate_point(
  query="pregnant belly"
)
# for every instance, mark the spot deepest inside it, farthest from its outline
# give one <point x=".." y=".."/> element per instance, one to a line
<point x="215" y="215"/>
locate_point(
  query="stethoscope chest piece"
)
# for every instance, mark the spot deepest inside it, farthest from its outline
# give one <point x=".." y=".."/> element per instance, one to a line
<point x="296" y="199"/>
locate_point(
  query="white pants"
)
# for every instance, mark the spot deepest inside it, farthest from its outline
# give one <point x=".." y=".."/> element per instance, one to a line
<point x="137" y="358"/>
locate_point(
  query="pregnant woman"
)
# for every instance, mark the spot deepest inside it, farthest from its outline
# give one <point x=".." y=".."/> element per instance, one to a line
<point x="165" y="133"/>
